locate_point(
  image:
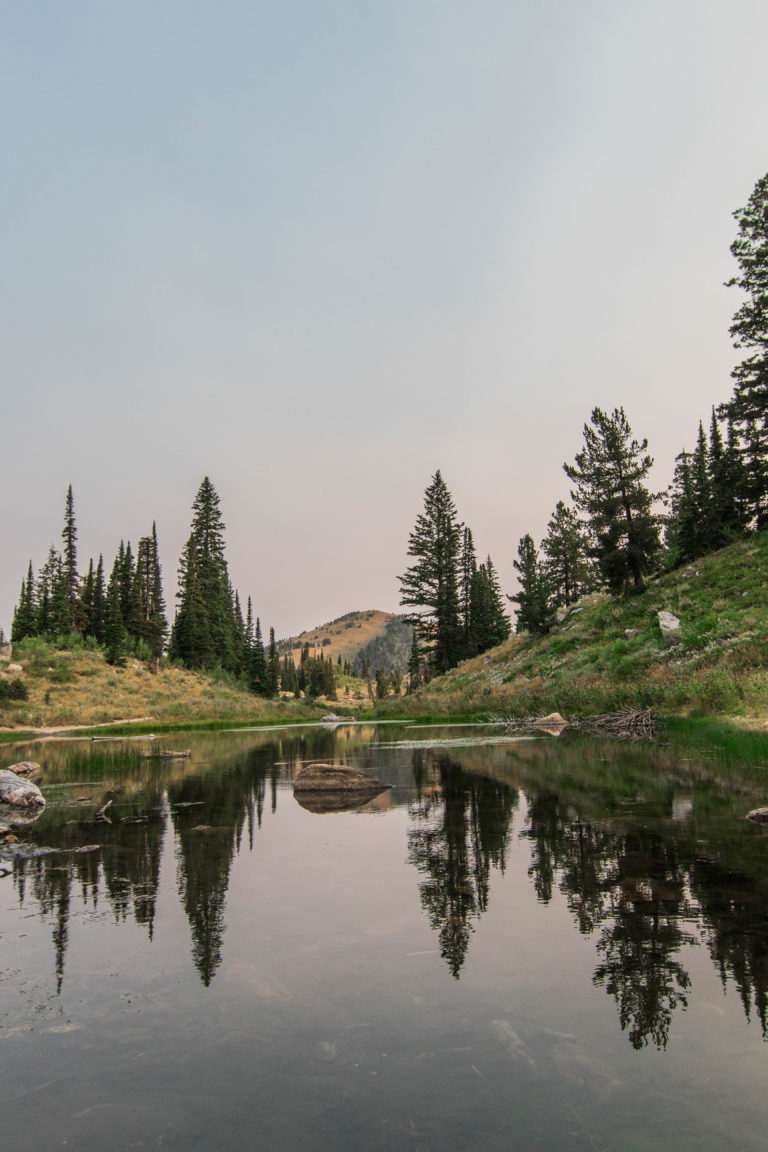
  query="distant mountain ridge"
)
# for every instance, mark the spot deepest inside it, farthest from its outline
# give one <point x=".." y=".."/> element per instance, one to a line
<point x="381" y="638"/>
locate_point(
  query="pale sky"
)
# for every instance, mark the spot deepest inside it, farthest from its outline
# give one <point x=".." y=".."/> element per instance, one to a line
<point x="317" y="250"/>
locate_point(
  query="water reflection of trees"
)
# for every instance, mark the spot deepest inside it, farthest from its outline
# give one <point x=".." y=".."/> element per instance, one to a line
<point x="207" y="814"/>
<point x="631" y="887"/>
<point x="633" y="877"/>
<point x="460" y="830"/>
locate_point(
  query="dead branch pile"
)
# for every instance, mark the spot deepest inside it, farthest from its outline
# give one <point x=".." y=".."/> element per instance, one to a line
<point x="632" y="724"/>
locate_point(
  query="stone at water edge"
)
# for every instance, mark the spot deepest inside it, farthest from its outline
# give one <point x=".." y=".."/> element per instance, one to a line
<point x="28" y="768"/>
<point x="758" y="815"/>
<point x="334" y="778"/>
<point x="18" y="792"/>
<point x="553" y="720"/>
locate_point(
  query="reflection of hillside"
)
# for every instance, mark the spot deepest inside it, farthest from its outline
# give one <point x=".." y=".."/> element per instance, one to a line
<point x="604" y="829"/>
<point x="460" y="829"/>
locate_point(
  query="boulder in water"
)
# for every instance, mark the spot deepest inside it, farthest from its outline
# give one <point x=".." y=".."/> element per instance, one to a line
<point x="335" y="778"/>
<point x="17" y="792"/>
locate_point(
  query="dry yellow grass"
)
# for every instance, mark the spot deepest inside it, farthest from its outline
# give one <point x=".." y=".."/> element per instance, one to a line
<point x="343" y="637"/>
<point x="78" y="687"/>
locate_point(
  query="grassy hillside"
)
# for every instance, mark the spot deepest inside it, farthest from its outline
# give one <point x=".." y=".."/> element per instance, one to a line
<point x="381" y="637"/>
<point x="68" y="687"/>
<point x="609" y="654"/>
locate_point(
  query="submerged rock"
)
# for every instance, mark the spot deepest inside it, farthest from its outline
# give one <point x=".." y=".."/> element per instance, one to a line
<point x="335" y="778"/>
<point x="18" y="792"/>
<point x="511" y="1043"/>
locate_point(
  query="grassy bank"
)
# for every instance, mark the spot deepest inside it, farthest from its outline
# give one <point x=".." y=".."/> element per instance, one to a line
<point x="68" y="687"/>
<point x="609" y="654"/>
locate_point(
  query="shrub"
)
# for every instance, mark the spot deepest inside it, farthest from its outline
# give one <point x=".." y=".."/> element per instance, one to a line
<point x="13" y="690"/>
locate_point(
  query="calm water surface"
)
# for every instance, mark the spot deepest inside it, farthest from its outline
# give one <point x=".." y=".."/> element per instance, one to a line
<point x="549" y="944"/>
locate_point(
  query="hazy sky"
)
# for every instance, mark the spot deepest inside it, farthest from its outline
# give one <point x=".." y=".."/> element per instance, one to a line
<point x="317" y="250"/>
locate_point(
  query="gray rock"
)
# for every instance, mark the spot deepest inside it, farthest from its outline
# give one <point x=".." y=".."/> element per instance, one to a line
<point x="6" y="652"/>
<point x="630" y="633"/>
<point x="18" y="792"/>
<point x="334" y="778"/>
<point x="28" y="768"/>
<point x="758" y="815"/>
<point x="670" y="627"/>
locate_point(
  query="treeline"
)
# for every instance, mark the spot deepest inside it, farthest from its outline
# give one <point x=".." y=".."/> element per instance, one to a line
<point x="125" y="615"/>
<point x="614" y="536"/>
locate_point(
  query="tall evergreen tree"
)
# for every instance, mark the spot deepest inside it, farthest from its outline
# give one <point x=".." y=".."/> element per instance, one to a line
<point x="566" y="560"/>
<point x="86" y="599"/>
<point x="71" y="620"/>
<point x="609" y="474"/>
<point x="115" y="634"/>
<point x="748" y="407"/>
<point x="258" y="668"/>
<point x="146" y="618"/>
<point x="24" y="618"/>
<point x="681" y="535"/>
<point x="203" y="632"/>
<point x="489" y="623"/>
<point x="430" y="587"/>
<point x="99" y="608"/>
<point x="48" y="594"/>
<point x="468" y="589"/>
<point x="273" y="666"/>
<point x="535" y="612"/>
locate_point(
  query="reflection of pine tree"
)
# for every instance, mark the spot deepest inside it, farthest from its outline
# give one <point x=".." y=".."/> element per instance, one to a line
<point x="733" y="906"/>
<point x="633" y="886"/>
<point x="234" y="803"/>
<point x="575" y="849"/>
<point x="641" y="935"/>
<point x="458" y="834"/>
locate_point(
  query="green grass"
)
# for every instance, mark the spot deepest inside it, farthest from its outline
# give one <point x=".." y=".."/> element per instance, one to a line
<point x="610" y="654"/>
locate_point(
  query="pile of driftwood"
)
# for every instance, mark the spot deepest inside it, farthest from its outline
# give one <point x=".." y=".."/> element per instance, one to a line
<point x="631" y="724"/>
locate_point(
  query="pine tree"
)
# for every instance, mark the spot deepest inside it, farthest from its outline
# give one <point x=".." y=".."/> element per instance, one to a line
<point x="203" y="632"/>
<point x="115" y="635"/>
<point x="86" y="599"/>
<point x="681" y="530"/>
<point x="71" y="620"/>
<point x="467" y="594"/>
<point x="609" y="474"/>
<point x="99" y="609"/>
<point x="535" y="612"/>
<point x="489" y="623"/>
<point x="566" y="560"/>
<point x="748" y="407"/>
<point x="125" y="577"/>
<point x="48" y="594"/>
<point x="258" y="668"/>
<point x="273" y="666"/>
<point x="430" y="587"/>
<point x="146" y="618"/>
<point x="24" y="617"/>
